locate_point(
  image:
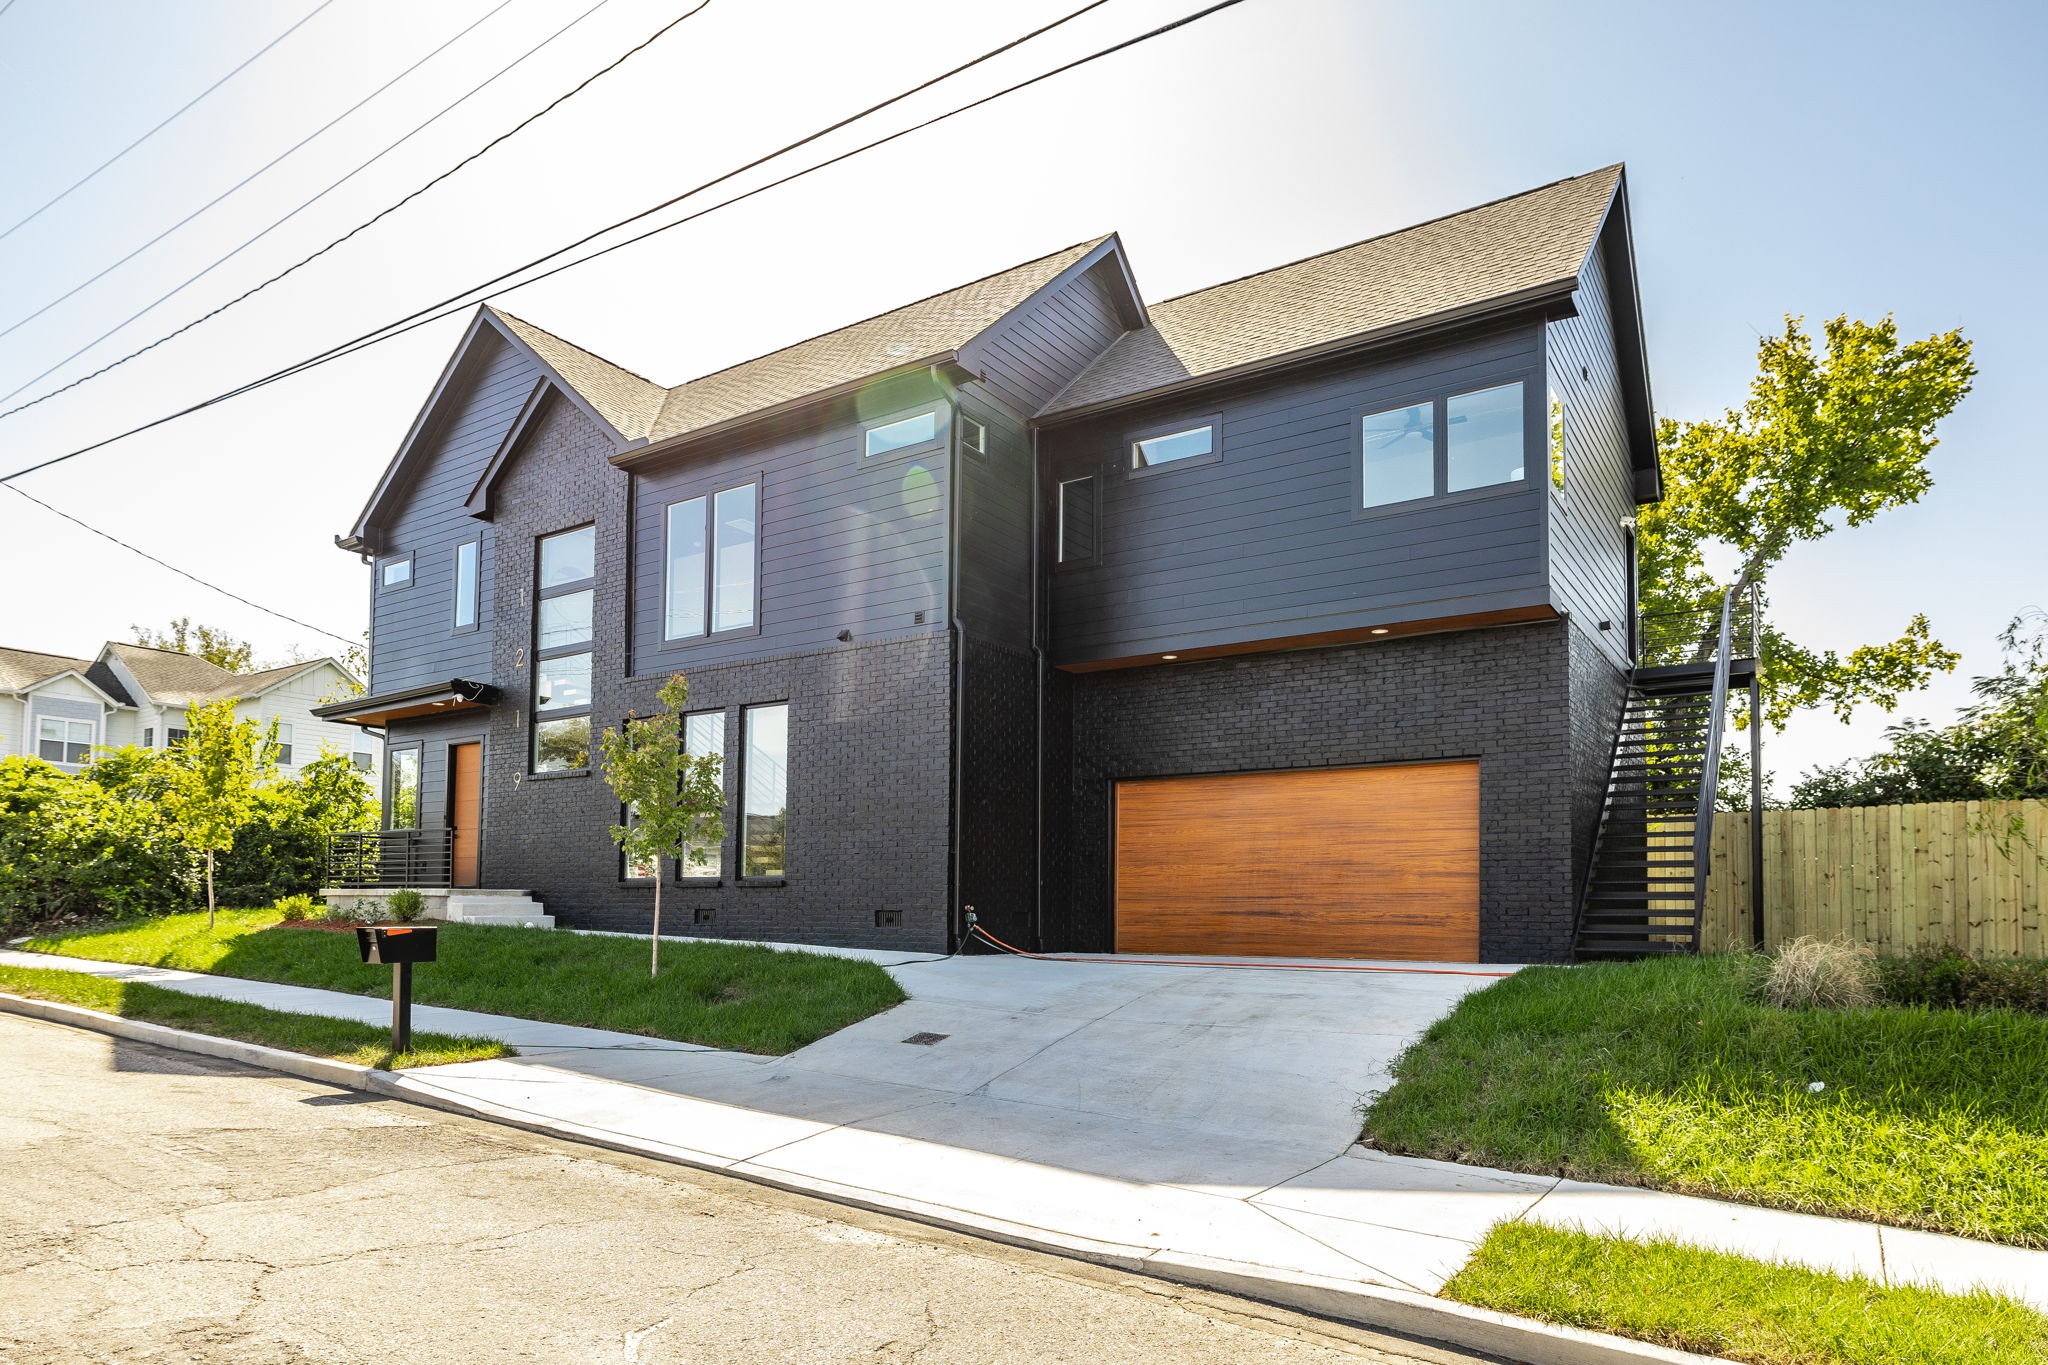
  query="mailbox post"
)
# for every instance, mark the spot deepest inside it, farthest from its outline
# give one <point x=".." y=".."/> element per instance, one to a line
<point x="399" y="946"/>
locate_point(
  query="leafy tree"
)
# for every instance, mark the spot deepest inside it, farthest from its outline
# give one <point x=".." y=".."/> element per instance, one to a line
<point x="212" y="782"/>
<point x="210" y="643"/>
<point x="281" y="849"/>
<point x="1826" y="439"/>
<point x="1733" y="792"/>
<point x="69" y="846"/>
<point x="674" y="801"/>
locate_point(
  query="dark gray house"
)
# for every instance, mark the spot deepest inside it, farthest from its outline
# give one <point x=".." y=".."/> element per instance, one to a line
<point x="1293" y="616"/>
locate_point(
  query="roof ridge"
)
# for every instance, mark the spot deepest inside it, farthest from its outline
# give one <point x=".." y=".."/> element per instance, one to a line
<point x="583" y="350"/>
<point x="1617" y="166"/>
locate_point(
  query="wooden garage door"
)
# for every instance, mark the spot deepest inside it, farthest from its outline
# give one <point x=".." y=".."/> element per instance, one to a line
<point x="1332" y="862"/>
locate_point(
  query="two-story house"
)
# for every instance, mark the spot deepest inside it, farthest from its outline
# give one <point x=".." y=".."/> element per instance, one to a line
<point x="1291" y="616"/>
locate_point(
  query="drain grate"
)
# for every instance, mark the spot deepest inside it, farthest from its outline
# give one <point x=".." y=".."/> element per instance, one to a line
<point x="927" y="1039"/>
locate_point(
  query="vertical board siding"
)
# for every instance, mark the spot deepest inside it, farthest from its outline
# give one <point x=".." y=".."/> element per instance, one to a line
<point x="1588" y="550"/>
<point x="413" y="641"/>
<point x="1894" y="877"/>
<point x="1265" y="542"/>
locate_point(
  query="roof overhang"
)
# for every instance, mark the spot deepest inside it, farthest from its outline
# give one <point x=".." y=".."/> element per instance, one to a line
<point x="434" y="699"/>
<point x="72" y="673"/>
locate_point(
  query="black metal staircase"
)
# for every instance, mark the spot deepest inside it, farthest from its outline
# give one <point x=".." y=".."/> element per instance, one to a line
<point x="1646" y="884"/>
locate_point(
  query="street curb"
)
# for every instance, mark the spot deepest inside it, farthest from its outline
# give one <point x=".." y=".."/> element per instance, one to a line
<point x="1404" y="1311"/>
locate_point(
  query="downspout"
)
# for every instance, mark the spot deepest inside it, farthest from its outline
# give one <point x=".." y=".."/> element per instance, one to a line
<point x="956" y="631"/>
<point x="1038" y="683"/>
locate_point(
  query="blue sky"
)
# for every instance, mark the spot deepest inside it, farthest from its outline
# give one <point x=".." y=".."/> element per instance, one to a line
<point x="1807" y="159"/>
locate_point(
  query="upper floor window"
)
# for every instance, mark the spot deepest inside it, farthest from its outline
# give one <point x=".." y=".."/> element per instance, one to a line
<point x="63" y="741"/>
<point x="1077" y="518"/>
<point x="568" y="557"/>
<point x="1444" y="445"/>
<point x="1554" y="428"/>
<point x="901" y="434"/>
<point x="281" y="748"/>
<point x="396" y="573"/>
<point x="565" y="574"/>
<point x="973" y="435"/>
<point x="711" y="573"/>
<point x="466" y="560"/>
<point x="1182" y="441"/>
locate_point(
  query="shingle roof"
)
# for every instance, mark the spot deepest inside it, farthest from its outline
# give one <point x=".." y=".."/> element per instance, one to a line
<point x="23" y="668"/>
<point x="174" y="679"/>
<point x="1510" y="246"/>
<point x="621" y="397"/>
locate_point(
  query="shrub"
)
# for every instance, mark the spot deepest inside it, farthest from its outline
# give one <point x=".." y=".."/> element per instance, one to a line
<point x="69" y="847"/>
<point x="293" y="909"/>
<point x="1947" y="978"/>
<point x="406" y="905"/>
<point x="1812" y="973"/>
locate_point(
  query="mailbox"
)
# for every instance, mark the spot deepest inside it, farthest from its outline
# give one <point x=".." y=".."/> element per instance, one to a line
<point x="389" y="945"/>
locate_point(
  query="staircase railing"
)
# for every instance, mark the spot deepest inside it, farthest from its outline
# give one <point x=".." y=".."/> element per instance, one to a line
<point x="1710" y="772"/>
<point x="391" y="857"/>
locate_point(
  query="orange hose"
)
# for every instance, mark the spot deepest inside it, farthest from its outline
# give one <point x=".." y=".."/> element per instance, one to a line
<point x="1223" y="962"/>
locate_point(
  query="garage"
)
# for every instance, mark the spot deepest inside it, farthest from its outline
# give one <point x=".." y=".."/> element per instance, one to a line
<point x="1378" y="862"/>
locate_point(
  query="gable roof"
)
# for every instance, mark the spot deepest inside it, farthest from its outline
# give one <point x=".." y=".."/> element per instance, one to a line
<point x="174" y="679"/>
<point x="624" y="399"/>
<point x="1528" y="246"/>
<point x="22" y="669"/>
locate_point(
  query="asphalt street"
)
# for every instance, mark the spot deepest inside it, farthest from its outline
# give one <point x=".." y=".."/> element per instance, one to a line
<point x="159" y="1206"/>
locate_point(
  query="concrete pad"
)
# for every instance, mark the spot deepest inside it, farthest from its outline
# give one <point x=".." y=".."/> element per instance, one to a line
<point x="1436" y="1197"/>
<point x="1835" y="1245"/>
<point x="1390" y="1256"/>
<point x="1957" y="1265"/>
<point x="980" y="1043"/>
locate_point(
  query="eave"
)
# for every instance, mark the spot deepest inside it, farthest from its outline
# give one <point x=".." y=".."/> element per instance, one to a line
<point x="434" y="699"/>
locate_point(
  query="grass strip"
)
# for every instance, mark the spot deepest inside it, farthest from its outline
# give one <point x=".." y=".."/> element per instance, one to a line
<point x="1668" y="1074"/>
<point x="343" y="1040"/>
<point x="1725" y="1305"/>
<point x="723" y="995"/>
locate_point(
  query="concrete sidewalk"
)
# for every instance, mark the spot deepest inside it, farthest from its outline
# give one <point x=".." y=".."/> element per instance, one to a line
<point x="1197" y="1123"/>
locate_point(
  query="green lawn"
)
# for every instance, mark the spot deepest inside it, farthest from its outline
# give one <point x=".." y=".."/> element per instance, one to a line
<point x="1665" y="1073"/>
<point x="342" y="1039"/>
<point x="1723" y="1305"/>
<point x="716" y="994"/>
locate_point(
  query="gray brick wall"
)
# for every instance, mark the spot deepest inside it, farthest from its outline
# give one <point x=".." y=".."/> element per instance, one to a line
<point x="1499" y="695"/>
<point x="1598" y="688"/>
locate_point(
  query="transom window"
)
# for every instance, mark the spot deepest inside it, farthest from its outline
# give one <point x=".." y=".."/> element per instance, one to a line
<point x="63" y="741"/>
<point x="1176" y="444"/>
<point x="904" y="433"/>
<point x="566" y="576"/>
<point x="711" y="566"/>
<point x="1452" y="444"/>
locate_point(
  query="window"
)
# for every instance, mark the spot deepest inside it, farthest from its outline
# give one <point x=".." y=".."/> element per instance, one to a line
<point x="149" y="737"/>
<point x="1554" y="421"/>
<point x="973" y="435"/>
<point x="1077" y="519"/>
<point x="363" y="760"/>
<point x="403" y="784"/>
<point x="1172" y="445"/>
<point x="466" y="583"/>
<point x="283" y="750"/>
<point x="905" y="433"/>
<point x="1455" y="444"/>
<point x="566" y="568"/>
<point x="63" y="741"/>
<point x="764" y="812"/>
<point x="710" y="576"/>
<point x="635" y="867"/>
<point x="174" y="736"/>
<point x="704" y="734"/>
<point x="396" y="573"/>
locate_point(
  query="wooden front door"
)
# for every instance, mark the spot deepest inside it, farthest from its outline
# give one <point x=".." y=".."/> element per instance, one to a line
<point x="465" y="811"/>
<point x="1326" y="862"/>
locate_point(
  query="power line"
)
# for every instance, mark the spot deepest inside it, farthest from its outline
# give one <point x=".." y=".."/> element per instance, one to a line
<point x="223" y="260"/>
<point x="108" y="270"/>
<point x="429" y="314"/>
<point x="303" y="625"/>
<point x="168" y="119"/>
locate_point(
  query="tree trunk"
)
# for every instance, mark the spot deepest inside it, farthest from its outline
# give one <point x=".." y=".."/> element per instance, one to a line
<point x="654" y="939"/>
<point x="209" y="890"/>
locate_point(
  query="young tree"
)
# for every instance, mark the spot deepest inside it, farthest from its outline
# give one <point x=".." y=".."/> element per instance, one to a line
<point x="215" y="646"/>
<point x="213" y="777"/>
<point x="1825" y="440"/>
<point x="674" y="801"/>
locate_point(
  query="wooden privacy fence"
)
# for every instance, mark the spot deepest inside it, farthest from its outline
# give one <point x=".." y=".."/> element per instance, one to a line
<point x="1894" y="877"/>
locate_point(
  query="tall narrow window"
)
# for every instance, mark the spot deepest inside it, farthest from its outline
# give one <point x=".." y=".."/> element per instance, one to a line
<point x="565" y="575"/>
<point x="764" y="812"/>
<point x="1483" y="438"/>
<point x="709" y="585"/>
<point x="1399" y="454"/>
<point x="403" y="782"/>
<point x="1554" y="422"/>
<point x="466" y="583"/>
<point x="1077" y="520"/>
<point x="282" y="751"/>
<point x="703" y="735"/>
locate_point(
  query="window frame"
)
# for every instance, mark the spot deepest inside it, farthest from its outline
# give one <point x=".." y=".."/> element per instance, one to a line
<point x="725" y="767"/>
<point x="64" y="741"/>
<point x="708" y="490"/>
<point x="1059" y="518"/>
<point x="391" y="767"/>
<point x="281" y="751"/>
<point x="1213" y="421"/>
<point x="942" y="432"/>
<point x="961" y="422"/>
<point x="1439" y="399"/>
<point x="536" y="656"/>
<point x="476" y="588"/>
<point x="741" y="876"/>
<point x="386" y="564"/>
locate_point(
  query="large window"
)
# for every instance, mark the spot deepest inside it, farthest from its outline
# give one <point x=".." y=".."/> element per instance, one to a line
<point x="566" y="579"/>
<point x="1077" y="519"/>
<point x="466" y="560"/>
<point x="703" y="735"/>
<point x="63" y="741"/>
<point x="402" y="781"/>
<point x="1175" y="444"/>
<point x="710" y="586"/>
<point x="764" y="811"/>
<point x="1452" y="444"/>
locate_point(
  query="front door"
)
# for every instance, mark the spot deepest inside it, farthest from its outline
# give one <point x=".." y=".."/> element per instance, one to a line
<point x="465" y="810"/>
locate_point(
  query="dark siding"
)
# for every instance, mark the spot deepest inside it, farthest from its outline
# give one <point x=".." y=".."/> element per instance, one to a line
<point x="1264" y="544"/>
<point x="433" y="735"/>
<point x="995" y="526"/>
<point x="413" y="641"/>
<point x="1588" y="551"/>
<point x="1035" y="352"/>
<point x="845" y="543"/>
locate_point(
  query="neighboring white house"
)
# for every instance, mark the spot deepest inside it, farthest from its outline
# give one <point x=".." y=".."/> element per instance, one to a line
<point x="60" y="708"/>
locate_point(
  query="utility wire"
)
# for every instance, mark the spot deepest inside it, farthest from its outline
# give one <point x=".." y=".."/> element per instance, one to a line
<point x="303" y="625"/>
<point x="108" y="270"/>
<point x="168" y="119"/>
<point x="427" y="315"/>
<point x="194" y="279"/>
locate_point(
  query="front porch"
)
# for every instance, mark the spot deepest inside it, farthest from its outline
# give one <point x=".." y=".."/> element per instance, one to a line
<point x="375" y="864"/>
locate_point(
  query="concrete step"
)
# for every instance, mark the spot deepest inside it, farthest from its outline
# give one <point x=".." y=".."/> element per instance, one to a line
<point x="486" y="905"/>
